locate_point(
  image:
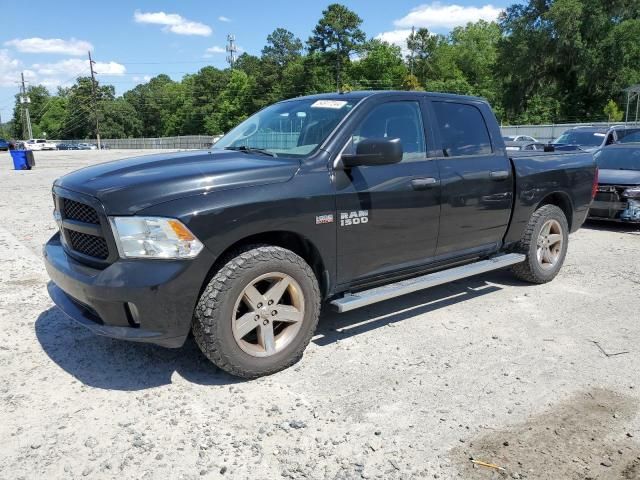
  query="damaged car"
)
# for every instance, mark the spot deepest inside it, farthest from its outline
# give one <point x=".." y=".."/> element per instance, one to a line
<point x="618" y="194"/>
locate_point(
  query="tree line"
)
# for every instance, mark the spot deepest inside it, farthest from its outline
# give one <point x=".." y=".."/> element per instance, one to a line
<point x="543" y="61"/>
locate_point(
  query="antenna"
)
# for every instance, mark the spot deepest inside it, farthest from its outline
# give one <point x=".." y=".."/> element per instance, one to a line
<point x="232" y="50"/>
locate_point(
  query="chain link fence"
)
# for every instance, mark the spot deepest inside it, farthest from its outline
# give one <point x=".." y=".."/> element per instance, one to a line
<point x="548" y="133"/>
<point x="543" y="133"/>
<point x="182" y="143"/>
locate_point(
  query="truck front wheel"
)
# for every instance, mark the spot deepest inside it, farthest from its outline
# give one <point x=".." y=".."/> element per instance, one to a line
<point x="258" y="313"/>
<point x="544" y="242"/>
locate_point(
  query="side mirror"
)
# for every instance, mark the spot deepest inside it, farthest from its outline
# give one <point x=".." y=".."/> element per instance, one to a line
<point x="374" y="151"/>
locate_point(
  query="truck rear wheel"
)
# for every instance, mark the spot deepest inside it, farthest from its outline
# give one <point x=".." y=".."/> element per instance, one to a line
<point x="258" y="313"/>
<point x="544" y="242"/>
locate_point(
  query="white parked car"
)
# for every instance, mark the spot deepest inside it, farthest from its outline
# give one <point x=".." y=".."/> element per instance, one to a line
<point x="519" y="138"/>
<point x="39" y="144"/>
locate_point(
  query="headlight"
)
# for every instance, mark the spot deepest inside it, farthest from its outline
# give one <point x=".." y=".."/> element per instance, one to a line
<point x="154" y="237"/>
<point x="633" y="192"/>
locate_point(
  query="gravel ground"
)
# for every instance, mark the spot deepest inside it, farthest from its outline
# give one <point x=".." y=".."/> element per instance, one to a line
<point x="541" y="381"/>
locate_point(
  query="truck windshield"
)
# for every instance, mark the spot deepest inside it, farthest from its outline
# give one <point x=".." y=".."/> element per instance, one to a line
<point x="588" y="139"/>
<point x="289" y="129"/>
<point x="619" y="158"/>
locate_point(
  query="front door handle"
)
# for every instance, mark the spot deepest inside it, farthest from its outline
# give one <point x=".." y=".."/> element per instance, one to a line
<point x="424" y="183"/>
<point x="499" y="175"/>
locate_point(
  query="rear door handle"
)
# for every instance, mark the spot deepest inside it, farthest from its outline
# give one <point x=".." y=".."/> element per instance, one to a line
<point x="499" y="175"/>
<point x="424" y="183"/>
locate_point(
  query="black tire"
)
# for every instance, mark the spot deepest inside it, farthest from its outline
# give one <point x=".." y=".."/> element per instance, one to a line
<point x="531" y="270"/>
<point x="214" y="313"/>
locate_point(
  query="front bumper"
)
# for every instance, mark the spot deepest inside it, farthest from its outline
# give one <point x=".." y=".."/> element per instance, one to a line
<point x="148" y="301"/>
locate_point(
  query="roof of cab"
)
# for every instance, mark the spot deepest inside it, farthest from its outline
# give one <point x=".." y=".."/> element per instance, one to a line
<point x="360" y="94"/>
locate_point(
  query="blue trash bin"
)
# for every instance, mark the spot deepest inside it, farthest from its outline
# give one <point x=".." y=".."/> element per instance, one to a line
<point x="22" y="159"/>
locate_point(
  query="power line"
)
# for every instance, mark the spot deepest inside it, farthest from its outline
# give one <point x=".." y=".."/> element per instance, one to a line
<point x="165" y="63"/>
<point x="71" y="125"/>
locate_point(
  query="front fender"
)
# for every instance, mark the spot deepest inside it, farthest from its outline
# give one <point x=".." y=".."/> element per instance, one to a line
<point x="222" y="219"/>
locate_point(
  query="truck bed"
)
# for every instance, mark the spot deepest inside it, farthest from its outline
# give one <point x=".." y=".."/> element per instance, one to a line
<point x="565" y="176"/>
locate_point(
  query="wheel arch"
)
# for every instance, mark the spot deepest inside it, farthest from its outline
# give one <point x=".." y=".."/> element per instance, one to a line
<point x="561" y="200"/>
<point x="297" y="243"/>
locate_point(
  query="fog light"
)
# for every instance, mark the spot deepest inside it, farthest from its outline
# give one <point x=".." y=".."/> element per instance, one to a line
<point x="133" y="317"/>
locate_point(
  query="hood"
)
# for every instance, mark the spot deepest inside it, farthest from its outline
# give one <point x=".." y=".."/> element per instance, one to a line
<point x="127" y="186"/>
<point x="619" y="177"/>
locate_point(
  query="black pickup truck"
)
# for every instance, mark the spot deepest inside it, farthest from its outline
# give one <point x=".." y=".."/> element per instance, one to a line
<point x="343" y="199"/>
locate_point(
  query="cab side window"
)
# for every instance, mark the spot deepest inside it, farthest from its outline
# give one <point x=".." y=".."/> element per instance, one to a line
<point x="462" y="129"/>
<point x="401" y="120"/>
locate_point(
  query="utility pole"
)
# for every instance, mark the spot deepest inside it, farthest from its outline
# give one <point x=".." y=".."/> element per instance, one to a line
<point x="24" y="103"/>
<point x="413" y="33"/>
<point x="232" y="50"/>
<point x="95" y="103"/>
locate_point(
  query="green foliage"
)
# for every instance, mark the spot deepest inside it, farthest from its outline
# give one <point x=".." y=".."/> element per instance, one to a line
<point x="232" y="104"/>
<point x="579" y="53"/>
<point x="613" y="113"/>
<point x="410" y="82"/>
<point x="53" y="116"/>
<point x="544" y="61"/>
<point x="119" y="120"/>
<point x="380" y="67"/>
<point x="337" y="34"/>
<point x="282" y="48"/>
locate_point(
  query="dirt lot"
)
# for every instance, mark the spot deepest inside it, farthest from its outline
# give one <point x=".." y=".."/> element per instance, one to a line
<point x="542" y="381"/>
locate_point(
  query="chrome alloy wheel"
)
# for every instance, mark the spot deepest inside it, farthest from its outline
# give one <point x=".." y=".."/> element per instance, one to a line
<point x="268" y="314"/>
<point x="549" y="244"/>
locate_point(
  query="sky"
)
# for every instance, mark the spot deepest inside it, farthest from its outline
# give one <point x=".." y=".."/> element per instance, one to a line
<point x="131" y="41"/>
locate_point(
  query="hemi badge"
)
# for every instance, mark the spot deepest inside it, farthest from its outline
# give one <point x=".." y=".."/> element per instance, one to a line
<point x="321" y="219"/>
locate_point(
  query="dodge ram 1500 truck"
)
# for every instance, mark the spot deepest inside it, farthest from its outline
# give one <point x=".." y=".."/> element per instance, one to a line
<point x="343" y="199"/>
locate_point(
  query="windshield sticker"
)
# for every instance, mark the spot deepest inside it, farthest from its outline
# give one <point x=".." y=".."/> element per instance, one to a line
<point x="336" y="104"/>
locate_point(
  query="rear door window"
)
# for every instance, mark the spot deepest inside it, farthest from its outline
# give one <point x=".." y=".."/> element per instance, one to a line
<point x="462" y="129"/>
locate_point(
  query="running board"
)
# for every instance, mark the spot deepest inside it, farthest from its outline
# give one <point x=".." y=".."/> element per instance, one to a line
<point x="378" y="294"/>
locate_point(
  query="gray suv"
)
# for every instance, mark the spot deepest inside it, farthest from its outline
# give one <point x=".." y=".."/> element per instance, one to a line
<point x="593" y="138"/>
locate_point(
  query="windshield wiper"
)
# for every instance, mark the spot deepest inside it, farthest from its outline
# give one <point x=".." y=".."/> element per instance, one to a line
<point x="244" y="148"/>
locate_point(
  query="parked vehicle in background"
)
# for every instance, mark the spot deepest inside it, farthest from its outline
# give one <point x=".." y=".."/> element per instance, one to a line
<point x="335" y="197"/>
<point x="524" y="145"/>
<point x="592" y="138"/>
<point x="519" y="138"/>
<point x="618" y="195"/>
<point x="215" y="140"/>
<point x="4" y="144"/>
<point x="624" y="132"/>
<point x="67" y="146"/>
<point x="632" y="135"/>
<point x="87" y="146"/>
<point x="40" y="144"/>
<point x="585" y="138"/>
